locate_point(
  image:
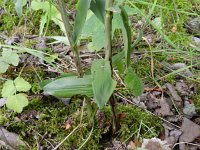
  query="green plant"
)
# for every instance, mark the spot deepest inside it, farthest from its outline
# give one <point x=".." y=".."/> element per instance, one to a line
<point x="12" y="89"/>
<point x="19" y="4"/>
<point x="8" y="58"/>
<point x="50" y="12"/>
<point x="100" y="84"/>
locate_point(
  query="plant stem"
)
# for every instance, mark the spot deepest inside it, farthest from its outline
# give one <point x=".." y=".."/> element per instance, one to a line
<point x="108" y="57"/>
<point x="68" y="29"/>
<point x="108" y="30"/>
<point x="77" y="60"/>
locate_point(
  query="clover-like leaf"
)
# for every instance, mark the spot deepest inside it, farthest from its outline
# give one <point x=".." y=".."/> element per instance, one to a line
<point x="3" y="66"/>
<point x="8" y="88"/>
<point x="21" y="85"/>
<point x="10" y="57"/>
<point x="17" y="102"/>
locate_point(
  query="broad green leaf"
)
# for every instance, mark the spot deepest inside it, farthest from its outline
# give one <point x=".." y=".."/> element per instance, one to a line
<point x="3" y="66"/>
<point x="81" y="14"/>
<point x="69" y="86"/>
<point x="118" y="57"/>
<point x="130" y="10"/>
<point x="21" y="85"/>
<point x="126" y="30"/>
<point x="10" y="57"/>
<point x="121" y="67"/>
<point x="117" y="22"/>
<point x="133" y="82"/>
<point x="17" y="102"/>
<point x="8" y="88"/>
<point x="94" y="28"/>
<point x="103" y="85"/>
<point x="98" y="8"/>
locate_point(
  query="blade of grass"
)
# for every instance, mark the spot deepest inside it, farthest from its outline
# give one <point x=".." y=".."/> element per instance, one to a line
<point x="162" y="7"/>
<point x="154" y="26"/>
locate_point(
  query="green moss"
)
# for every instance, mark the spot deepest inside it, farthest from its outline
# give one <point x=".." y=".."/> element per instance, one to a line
<point x="196" y="99"/>
<point x="52" y="116"/>
<point x="134" y="118"/>
<point x="170" y="79"/>
<point x="8" y="19"/>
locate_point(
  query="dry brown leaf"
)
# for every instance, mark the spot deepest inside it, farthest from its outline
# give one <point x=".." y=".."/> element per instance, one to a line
<point x="190" y="132"/>
<point x="174" y="29"/>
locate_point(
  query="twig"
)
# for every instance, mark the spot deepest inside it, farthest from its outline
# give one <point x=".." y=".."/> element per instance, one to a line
<point x="185" y="143"/>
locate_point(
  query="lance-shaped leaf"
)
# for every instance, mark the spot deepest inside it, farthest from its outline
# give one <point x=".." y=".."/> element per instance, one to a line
<point x="126" y="30"/>
<point x="133" y="82"/>
<point x="81" y="14"/>
<point x="98" y="8"/>
<point x="103" y="85"/>
<point x="69" y="86"/>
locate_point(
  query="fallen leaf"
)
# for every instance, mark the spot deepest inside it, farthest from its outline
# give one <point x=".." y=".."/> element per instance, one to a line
<point x="118" y="145"/>
<point x="131" y="145"/>
<point x="189" y="110"/>
<point x="164" y="109"/>
<point x="122" y="115"/>
<point x="68" y="124"/>
<point x="172" y="134"/>
<point x="10" y="140"/>
<point x="174" y="95"/>
<point x="190" y="132"/>
<point x="174" y="29"/>
<point x="154" y="144"/>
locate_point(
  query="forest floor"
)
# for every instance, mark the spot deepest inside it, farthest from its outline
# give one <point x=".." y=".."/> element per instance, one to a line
<point x="167" y="114"/>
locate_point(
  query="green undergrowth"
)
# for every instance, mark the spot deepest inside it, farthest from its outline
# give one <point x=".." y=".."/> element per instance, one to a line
<point x="196" y="99"/>
<point x="12" y="24"/>
<point x="48" y="117"/>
